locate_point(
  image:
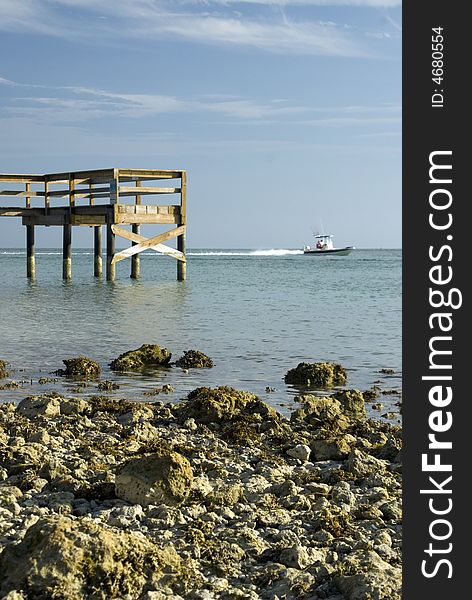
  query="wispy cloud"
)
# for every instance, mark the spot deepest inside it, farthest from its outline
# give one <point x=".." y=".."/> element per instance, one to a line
<point x="208" y="22"/>
<point x="75" y="104"/>
<point x="83" y="103"/>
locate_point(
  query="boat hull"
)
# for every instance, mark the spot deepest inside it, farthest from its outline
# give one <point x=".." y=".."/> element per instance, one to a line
<point x="332" y="251"/>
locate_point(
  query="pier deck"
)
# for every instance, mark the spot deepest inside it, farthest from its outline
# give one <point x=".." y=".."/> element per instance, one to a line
<point x="96" y="198"/>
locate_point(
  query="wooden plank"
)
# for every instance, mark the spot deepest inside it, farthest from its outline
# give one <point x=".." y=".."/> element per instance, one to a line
<point x="49" y="220"/>
<point x="143" y="243"/>
<point x="76" y="219"/>
<point x="158" y="219"/>
<point x="149" y="174"/>
<point x="138" y="198"/>
<point x="20" y="178"/>
<point x="21" y="193"/>
<point x="131" y="191"/>
<point x="87" y="176"/>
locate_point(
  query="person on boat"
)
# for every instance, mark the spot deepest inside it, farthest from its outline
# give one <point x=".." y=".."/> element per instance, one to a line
<point x="319" y="245"/>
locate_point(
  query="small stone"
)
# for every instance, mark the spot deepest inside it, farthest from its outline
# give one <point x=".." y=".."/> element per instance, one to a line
<point x="296" y="557"/>
<point x="300" y="451"/>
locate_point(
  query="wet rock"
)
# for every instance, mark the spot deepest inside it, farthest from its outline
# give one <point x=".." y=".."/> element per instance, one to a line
<point x="161" y="478"/>
<point x="363" y="575"/>
<point x="207" y="405"/>
<point x="61" y="557"/>
<point x="47" y="405"/>
<point x="3" y="369"/>
<point x="320" y="375"/>
<point x="194" y="359"/>
<point x="147" y="356"/>
<point x="352" y="403"/>
<point x="80" y="368"/>
<point x="107" y="386"/>
<point x="300" y="451"/>
<point x="371" y="394"/>
<point x="387" y="371"/>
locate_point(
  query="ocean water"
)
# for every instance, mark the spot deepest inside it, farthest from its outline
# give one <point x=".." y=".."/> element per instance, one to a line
<point x="257" y="313"/>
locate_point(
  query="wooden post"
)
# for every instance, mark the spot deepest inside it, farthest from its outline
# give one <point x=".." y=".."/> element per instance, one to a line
<point x="111" y="270"/>
<point x="67" y="252"/>
<point x="97" y="251"/>
<point x="135" y="259"/>
<point x="181" y="265"/>
<point x="30" y="261"/>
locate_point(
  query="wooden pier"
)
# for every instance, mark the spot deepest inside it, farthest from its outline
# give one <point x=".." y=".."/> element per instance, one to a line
<point x="109" y="197"/>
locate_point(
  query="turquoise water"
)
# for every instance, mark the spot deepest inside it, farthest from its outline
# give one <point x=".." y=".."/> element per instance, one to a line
<point x="256" y="313"/>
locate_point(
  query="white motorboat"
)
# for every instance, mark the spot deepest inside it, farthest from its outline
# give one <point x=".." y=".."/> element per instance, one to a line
<point x="324" y="245"/>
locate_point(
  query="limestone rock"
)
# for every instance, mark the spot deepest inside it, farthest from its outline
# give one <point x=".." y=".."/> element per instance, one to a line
<point x="47" y="405"/>
<point x="300" y="451"/>
<point x="147" y="356"/>
<point x="323" y="412"/>
<point x="320" y="375"/>
<point x="365" y="576"/>
<point x="352" y="403"/>
<point x="336" y="448"/>
<point x="221" y="404"/>
<point x="161" y="478"/>
<point x="61" y="557"/>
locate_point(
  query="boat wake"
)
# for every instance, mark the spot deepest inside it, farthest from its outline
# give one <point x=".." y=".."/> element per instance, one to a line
<point x="272" y="252"/>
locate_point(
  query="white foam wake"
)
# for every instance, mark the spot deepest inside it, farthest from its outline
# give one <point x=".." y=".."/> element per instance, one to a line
<point x="272" y="252"/>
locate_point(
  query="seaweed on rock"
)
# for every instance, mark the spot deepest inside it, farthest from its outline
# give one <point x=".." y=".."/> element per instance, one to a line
<point x="319" y="375"/>
<point x="80" y="368"/>
<point x="194" y="359"/>
<point x="147" y="356"/>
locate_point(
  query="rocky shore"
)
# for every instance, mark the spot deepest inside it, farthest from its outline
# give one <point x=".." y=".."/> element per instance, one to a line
<point x="216" y="497"/>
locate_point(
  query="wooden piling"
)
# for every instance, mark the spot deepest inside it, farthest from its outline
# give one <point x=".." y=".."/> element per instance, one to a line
<point x="135" y="259"/>
<point x="181" y="265"/>
<point x="30" y="259"/>
<point x="97" y="251"/>
<point x="67" y="252"/>
<point x="111" y="270"/>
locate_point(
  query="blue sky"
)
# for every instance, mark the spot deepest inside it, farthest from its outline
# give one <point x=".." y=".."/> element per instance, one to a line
<point x="285" y="113"/>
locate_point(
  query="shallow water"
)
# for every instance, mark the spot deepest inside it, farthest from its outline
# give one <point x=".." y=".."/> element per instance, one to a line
<point x="256" y="313"/>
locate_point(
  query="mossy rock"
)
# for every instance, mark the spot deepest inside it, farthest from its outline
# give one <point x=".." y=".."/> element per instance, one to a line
<point x="80" y="368"/>
<point x="318" y="375"/>
<point x="68" y="558"/>
<point x="3" y="369"/>
<point x="147" y="356"/>
<point x="194" y="359"/>
<point x="223" y="404"/>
